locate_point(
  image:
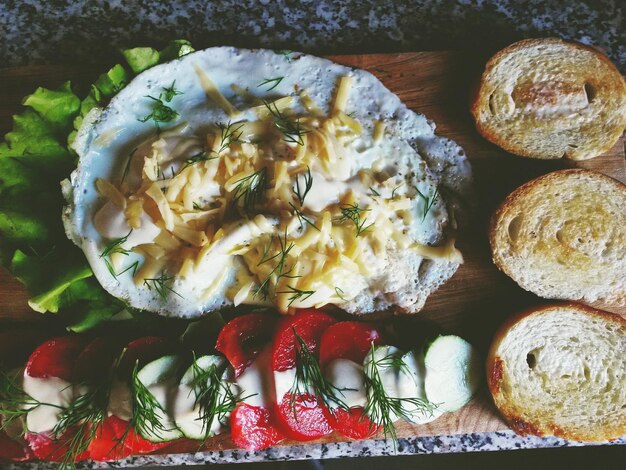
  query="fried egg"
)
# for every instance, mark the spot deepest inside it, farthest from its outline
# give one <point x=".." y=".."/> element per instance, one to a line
<point x="233" y="176"/>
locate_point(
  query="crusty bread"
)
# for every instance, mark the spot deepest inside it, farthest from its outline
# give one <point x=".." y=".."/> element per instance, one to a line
<point x="560" y="370"/>
<point x="563" y="236"/>
<point x="548" y="98"/>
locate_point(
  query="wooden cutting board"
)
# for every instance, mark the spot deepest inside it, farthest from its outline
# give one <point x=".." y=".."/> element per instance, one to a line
<point x="478" y="298"/>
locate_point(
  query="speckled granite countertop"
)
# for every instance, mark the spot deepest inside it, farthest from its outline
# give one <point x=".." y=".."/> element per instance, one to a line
<point x="72" y="31"/>
<point x="420" y="445"/>
<point x="53" y="31"/>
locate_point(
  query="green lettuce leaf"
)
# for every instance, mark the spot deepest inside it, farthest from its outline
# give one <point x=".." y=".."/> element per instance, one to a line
<point x="34" y="158"/>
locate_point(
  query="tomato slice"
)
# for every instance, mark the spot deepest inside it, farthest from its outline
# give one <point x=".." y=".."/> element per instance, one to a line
<point x="107" y="444"/>
<point x="12" y="450"/>
<point x="56" y="358"/>
<point x="352" y="423"/>
<point x="252" y="427"/>
<point x="347" y="340"/>
<point x="242" y="339"/>
<point x="45" y="447"/>
<point x="302" y="418"/>
<point x="96" y="359"/>
<point x="144" y="350"/>
<point x="309" y="324"/>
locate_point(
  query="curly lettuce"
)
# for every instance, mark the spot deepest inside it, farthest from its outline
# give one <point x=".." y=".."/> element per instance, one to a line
<point x="34" y="158"/>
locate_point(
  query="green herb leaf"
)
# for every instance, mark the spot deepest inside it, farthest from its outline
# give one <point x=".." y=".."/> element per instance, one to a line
<point x="160" y="284"/>
<point x="353" y="213"/>
<point x="170" y="92"/>
<point x="291" y="129"/>
<point x="301" y="190"/>
<point x="429" y="201"/>
<point x="160" y="112"/>
<point x="302" y="218"/>
<point x="250" y="190"/>
<point x="273" y="82"/>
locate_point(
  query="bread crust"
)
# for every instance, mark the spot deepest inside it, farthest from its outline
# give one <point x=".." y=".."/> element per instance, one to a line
<point x="495" y="368"/>
<point x="512" y="200"/>
<point x="611" y="130"/>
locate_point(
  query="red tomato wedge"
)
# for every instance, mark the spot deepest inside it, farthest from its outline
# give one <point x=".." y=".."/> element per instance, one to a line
<point x="107" y="445"/>
<point x="300" y="417"/>
<point x="56" y="358"/>
<point x="242" y="339"/>
<point x="144" y="350"/>
<point x="349" y="340"/>
<point x="252" y="427"/>
<point x="96" y="359"/>
<point x="304" y="419"/>
<point x="352" y="423"/>
<point x="111" y="443"/>
<point x="309" y="324"/>
<point x="45" y="447"/>
<point x="12" y="450"/>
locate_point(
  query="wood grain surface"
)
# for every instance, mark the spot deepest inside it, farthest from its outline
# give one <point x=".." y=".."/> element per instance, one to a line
<point x="478" y="298"/>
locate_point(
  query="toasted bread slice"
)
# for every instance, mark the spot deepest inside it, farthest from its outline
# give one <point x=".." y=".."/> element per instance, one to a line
<point x="560" y="370"/>
<point x="548" y="98"/>
<point x="563" y="236"/>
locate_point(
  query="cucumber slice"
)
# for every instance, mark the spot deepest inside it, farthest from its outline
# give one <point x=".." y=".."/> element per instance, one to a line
<point x="453" y="372"/>
<point x="160" y="378"/>
<point x="187" y="414"/>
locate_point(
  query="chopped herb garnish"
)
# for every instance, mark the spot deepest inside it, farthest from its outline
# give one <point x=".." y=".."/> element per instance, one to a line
<point x="214" y="397"/>
<point x="160" y="112"/>
<point x="393" y="193"/>
<point x="296" y="294"/>
<point x="374" y="192"/>
<point x="303" y="219"/>
<point x="381" y="408"/>
<point x="340" y="293"/>
<point x="147" y="411"/>
<point x="170" y="92"/>
<point x="160" y="285"/>
<point x="280" y="270"/>
<point x="309" y="379"/>
<point x="274" y="82"/>
<point x="115" y="246"/>
<point x="250" y="189"/>
<point x="231" y="133"/>
<point x="301" y="190"/>
<point x="353" y="212"/>
<point x="291" y="129"/>
<point x="429" y="202"/>
<point x="286" y="53"/>
<point x="127" y="166"/>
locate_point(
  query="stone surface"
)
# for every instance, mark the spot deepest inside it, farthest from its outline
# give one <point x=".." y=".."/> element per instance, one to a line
<point x="53" y="31"/>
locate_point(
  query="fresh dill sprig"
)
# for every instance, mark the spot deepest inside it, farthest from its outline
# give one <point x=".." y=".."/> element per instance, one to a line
<point x="393" y="193"/>
<point x="309" y="379"/>
<point x="214" y="397"/>
<point x="160" y="112"/>
<point x="127" y="166"/>
<point x="291" y="129"/>
<point x="83" y="417"/>
<point x="147" y="411"/>
<point x="273" y="81"/>
<point x="296" y="294"/>
<point x="374" y="192"/>
<point x="201" y="156"/>
<point x="230" y="134"/>
<point x="339" y="291"/>
<point x="353" y="213"/>
<point x="299" y="191"/>
<point x="160" y="285"/>
<point x="303" y="219"/>
<point x="170" y="92"/>
<point x="381" y="408"/>
<point x="280" y="270"/>
<point x="250" y="189"/>
<point x="429" y="202"/>
<point x="14" y="402"/>
<point x="115" y="246"/>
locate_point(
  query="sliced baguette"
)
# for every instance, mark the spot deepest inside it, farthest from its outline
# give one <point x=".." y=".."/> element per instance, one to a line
<point x="560" y="370"/>
<point x="563" y="236"/>
<point x="548" y="98"/>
